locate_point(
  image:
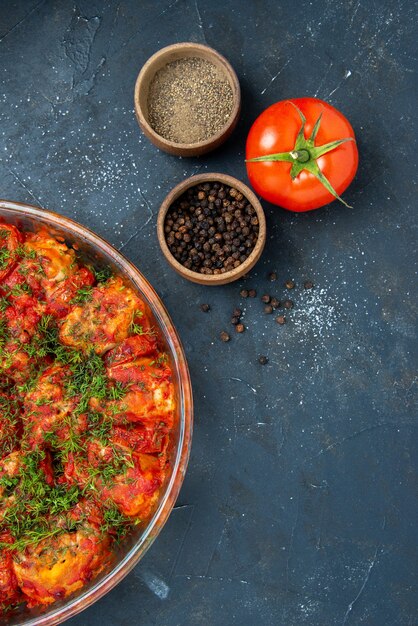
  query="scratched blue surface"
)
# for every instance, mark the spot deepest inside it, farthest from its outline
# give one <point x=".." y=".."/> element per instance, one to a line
<point x="300" y="503"/>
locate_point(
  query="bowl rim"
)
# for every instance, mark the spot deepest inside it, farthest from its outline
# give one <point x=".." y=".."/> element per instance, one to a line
<point x="230" y="74"/>
<point x="78" y="603"/>
<point x="237" y="272"/>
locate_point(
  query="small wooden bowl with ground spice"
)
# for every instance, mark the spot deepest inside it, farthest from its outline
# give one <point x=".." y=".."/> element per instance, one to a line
<point x="187" y="99"/>
<point x="211" y="229"/>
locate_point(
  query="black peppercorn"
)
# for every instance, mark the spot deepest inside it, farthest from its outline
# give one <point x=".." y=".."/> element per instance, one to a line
<point x="224" y="336"/>
<point x="272" y="276"/>
<point x="266" y="298"/>
<point x="308" y="284"/>
<point x="280" y="319"/>
<point x="237" y="312"/>
<point x="288" y="304"/>
<point x="240" y="328"/>
<point x="207" y="232"/>
<point x="234" y="320"/>
<point x="244" y="293"/>
<point x="252" y="293"/>
<point x="263" y="360"/>
<point x="289" y="284"/>
<point x="275" y="303"/>
<point x="205" y="308"/>
<point x="268" y="309"/>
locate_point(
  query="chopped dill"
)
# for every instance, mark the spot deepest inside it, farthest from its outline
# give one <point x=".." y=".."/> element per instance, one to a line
<point x="115" y="522"/>
<point x="4" y="304"/>
<point x="36" y="502"/>
<point x="103" y="274"/>
<point x="84" y="294"/>
<point x="5" y="255"/>
<point x="136" y="329"/>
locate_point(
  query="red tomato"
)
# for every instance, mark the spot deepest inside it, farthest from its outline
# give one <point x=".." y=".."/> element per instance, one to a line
<point x="10" y="239"/>
<point x="304" y="170"/>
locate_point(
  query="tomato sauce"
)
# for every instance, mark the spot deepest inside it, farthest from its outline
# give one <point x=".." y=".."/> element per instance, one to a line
<point x="86" y="412"/>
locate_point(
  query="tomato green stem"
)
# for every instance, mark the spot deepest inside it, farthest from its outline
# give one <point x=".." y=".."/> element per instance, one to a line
<point x="302" y="156"/>
<point x="305" y="154"/>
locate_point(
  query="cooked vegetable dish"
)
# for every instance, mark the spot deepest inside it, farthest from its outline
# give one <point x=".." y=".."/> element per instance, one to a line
<point x="86" y="411"/>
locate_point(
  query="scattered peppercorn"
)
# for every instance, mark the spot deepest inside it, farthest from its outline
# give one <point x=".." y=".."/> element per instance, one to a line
<point x="237" y="312"/>
<point x="275" y="303"/>
<point x="266" y="298"/>
<point x="280" y="319"/>
<point x="289" y="284"/>
<point x="288" y="304"/>
<point x="240" y="328"/>
<point x="252" y="293"/>
<point x="263" y="360"/>
<point x="224" y="336"/>
<point x="211" y="229"/>
<point x="272" y="276"/>
<point x="243" y="293"/>
<point x="308" y="284"/>
<point x="234" y="320"/>
<point x="205" y="308"/>
<point x="268" y="309"/>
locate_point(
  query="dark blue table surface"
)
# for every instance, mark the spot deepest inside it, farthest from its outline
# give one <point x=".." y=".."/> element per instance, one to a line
<point x="300" y="501"/>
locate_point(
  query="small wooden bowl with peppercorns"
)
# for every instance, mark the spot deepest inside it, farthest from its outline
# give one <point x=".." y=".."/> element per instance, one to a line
<point x="211" y="229"/>
<point x="187" y="99"/>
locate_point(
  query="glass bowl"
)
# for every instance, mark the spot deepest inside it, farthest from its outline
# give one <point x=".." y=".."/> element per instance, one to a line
<point x="93" y="249"/>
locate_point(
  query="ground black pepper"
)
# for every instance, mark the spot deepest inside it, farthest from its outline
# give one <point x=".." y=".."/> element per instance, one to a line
<point x="189" y="100"/>
<point x="211" y="229"/>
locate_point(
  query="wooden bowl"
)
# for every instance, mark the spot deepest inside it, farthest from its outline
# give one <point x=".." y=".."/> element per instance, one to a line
<point x="147" y="73"/>
<point x="210" y="279"/>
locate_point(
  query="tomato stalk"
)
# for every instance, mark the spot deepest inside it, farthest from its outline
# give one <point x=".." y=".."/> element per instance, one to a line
<point x="305" y="154"/>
